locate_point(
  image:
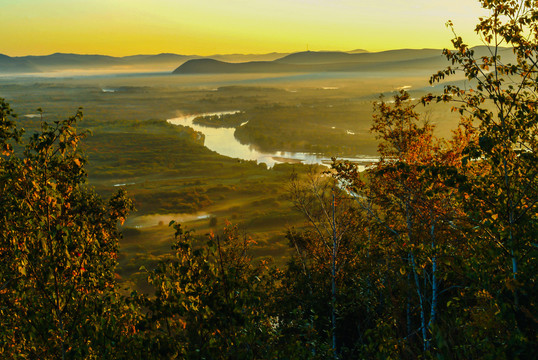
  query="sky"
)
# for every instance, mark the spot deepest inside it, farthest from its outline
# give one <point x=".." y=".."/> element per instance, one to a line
<point x="206" y="27"/>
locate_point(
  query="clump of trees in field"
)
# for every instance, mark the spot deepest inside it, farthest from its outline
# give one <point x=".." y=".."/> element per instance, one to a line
<point x="429" y="253"/>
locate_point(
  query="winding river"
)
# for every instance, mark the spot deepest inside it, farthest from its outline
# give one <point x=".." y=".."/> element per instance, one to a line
<point x="223" y="141"/>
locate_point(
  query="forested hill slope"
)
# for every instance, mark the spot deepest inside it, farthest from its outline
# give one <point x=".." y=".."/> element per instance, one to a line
<point x="210" y="66"/>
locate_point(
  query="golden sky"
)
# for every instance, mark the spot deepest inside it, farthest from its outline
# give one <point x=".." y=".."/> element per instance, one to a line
<point x="205" y="27"/>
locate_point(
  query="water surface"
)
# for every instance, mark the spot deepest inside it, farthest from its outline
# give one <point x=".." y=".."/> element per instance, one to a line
<point x="223" y="141"/>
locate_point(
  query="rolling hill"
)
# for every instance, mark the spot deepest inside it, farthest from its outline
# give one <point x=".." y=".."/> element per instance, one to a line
<point x="62" y="60"/>
<point x="10" y="65"/>
<point x="211" y="66"/>
<point x="158" y="62"/>
<point x="314" y="62"/>
<point x="318" y="57"/>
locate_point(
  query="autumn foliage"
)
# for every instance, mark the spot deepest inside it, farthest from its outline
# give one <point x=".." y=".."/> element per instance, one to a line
<point x="430" y="252"/>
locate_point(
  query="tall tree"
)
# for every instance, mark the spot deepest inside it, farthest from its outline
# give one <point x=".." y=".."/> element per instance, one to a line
<point x="500" y="100"/>
<point x="404" y="195"/>
<point x="58" y="248"/>
<point x="327" y="246"/>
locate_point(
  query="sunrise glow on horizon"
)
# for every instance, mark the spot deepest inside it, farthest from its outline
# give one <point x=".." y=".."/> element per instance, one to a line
<point x="205" y="27"/>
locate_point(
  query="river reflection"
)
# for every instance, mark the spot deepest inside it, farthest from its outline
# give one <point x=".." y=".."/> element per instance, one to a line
<point x="223" y="141"/>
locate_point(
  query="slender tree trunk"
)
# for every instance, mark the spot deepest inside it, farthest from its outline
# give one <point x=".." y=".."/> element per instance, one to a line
<point x="421" y="304"/>
<point x="333" y="283"/>
<point x="435" y="293"/>
<point x="408" y="309"/>
<point x="417" y="281"/>
<point x="433" y="307"/>
<point x="514" y="275"/>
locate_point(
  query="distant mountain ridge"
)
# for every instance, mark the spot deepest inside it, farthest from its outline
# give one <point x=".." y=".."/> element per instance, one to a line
<point x="317" y="57"/>
<point x="322" y="61"/>
<point x="423" y="60"/>
<point x="300" y="62"/>
<point x="67" y="61"/>
<point x="13" y="65"/>
<point x="211" y="66"/>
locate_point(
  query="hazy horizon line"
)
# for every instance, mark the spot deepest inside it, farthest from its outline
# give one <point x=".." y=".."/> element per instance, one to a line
<point x="221" y="54"/>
